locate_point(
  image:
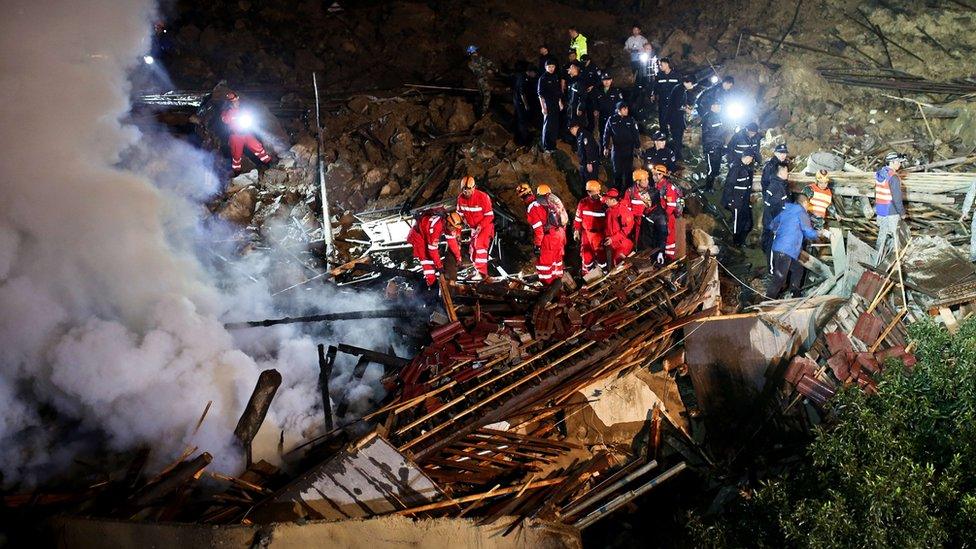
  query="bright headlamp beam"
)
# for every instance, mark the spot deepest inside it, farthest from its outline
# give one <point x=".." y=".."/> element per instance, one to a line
<point x="148" y="59"/>
<point x="245" y="121"/>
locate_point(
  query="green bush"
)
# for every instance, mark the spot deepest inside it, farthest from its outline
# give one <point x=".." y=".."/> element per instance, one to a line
<point x="897" y="469"/>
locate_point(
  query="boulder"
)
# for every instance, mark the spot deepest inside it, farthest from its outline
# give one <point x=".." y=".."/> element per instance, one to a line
<point x="239" y="208"/>
<point x="462" y="119"/>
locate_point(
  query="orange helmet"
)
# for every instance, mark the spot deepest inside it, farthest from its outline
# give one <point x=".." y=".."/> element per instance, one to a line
<point x="454" y="219"/>
<point x="523" y="190"/>
<point x="593" y="186"/>
<point x="661" y="169"/>
<point x="640" y="174"/>
<point x="822" y="177"/>
<point x="543" y="189"/>
<point x="231" y="95"/>
<point x="467" y="182"/>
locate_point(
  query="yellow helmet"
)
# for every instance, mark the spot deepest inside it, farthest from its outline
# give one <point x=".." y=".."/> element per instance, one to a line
<point x="523" y="190"/>
<point x="822" y="177"/>
<point x="467" y="182"/>
<point x="543" y="189"/>
<point x="454" y="219"/>
<point x="640" y="174"/>
<point x="661" y="169"/>
<point x="593" y="186"/>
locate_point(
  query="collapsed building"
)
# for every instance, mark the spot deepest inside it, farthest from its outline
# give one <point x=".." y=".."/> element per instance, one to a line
<point x="523" y="417"/>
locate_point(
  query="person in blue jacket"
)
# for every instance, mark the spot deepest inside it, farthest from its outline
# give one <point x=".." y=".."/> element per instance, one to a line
<point x="790" y="228"/>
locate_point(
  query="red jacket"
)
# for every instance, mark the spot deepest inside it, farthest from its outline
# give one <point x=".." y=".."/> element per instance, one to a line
<point x="476" y="211"/>
<point x="537" y="217"/>
<point x="669" y="196"/>
<point x="590" y="215"/>
<point x="620" y="222"/>
<point x="634" y="201"/>
<point x="230" y="117"/>
<point x="428" y="230"/>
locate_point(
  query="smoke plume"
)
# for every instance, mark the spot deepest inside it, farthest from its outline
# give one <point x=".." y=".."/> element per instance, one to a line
<point x="111" y="328"/>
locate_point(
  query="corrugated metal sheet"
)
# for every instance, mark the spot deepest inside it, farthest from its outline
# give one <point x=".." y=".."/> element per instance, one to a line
<point x="366" y="479"/>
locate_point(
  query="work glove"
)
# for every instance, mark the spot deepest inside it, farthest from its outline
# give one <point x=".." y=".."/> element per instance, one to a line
<point x="576" y="236"/>
<point x="659" y="258"/>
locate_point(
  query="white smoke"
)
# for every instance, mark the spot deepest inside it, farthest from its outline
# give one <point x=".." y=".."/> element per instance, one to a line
<point x="107" y="316"/>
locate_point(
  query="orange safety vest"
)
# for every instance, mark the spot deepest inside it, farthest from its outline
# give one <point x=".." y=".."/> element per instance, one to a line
<point x="882" y="192"/>
<point x="821" y="200"/>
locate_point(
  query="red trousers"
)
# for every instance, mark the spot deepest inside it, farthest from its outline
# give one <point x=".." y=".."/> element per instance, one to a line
<point x="549" y="264"/>
<point x="591" y="250"/>
<point x="670" y="248"/>
<point x="480" y="242"/>
<point x="238" y="142"/>
<point x="429" y="259"/>
<point x="620" y="249"/>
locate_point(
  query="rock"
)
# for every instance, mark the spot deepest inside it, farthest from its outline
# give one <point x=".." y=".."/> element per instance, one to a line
<point x="374" y="176"/>
<point x="359" y="104"/>
<point x="390" y="189"/>
<point x="274" y="177"/>
<point x="245" y="179"/>
<point x="239" y="208"/>
<point x="462" y="119"/>
<point x="402" y="145"/>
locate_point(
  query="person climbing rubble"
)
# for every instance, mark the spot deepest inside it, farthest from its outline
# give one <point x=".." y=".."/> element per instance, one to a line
<point x="790" y="228"/>
<point x="620" y="223"/>
<point x="679" y="106"/>
<point x="589" y="227"/>
<point x="660" y="154"/>
<point x="967" y="206"/>
<point x="241" y="125"/>
<point x="717" y="93"/>
<point x="620" y="141"/>
<point x="474" y="206"/>
<point x="425" y="237"/>
<point x="604" y="100"/>
<point x="746" y="139"/>
<point x="821" y="200"/>
<point x="780" y="155"/>
<point x="667" y="81"/>
<point x="888" y="203"/>
<point x="484" y="69"/>
<point x="672" y="201"/>
<point x="550" y="92"/>
<point x="651" y="223"/>
<point x="713" y="142"/>
<point x="736" y="196"/>
<point x="775" y="195"/>
<point x="587" y="151"/>
<point x="638" y="199"/>
<point x="547" y="218"/>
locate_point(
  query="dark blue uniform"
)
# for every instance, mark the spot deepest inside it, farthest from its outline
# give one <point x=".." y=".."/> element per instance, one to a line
<point x="623" y="134"/>
<point x="550" y="91"/>
<point x="738" y="187"/>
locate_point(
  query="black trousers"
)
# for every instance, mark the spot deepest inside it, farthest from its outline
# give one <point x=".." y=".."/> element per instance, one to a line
<point x="550" y="127"/>
<point x="785" y="268"/>
<point x="741" y="222"/>
<point x="676" y="130"/>
<point x="713" y="163"/>
<point x="623" y="168"/>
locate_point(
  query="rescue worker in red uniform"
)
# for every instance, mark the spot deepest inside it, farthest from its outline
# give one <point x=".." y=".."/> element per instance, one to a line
<point x="620" y="224"/>
<point x="425" y="237"/>
<point x="589" y="227"/>
<point x="671" y="197"/>
<point x="545" y="214"/>
<point x="239" y="124"/>
<point x="638" y="198"/>
<point x="474" y="205"/>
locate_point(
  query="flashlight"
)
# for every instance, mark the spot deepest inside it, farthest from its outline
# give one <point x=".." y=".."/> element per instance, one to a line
<point x="714" y="79"/>
<point x="245" y="121"/>
<point x="736" y="111"/>
<point x="148" y="59"/>
<point x="644" y="57"/>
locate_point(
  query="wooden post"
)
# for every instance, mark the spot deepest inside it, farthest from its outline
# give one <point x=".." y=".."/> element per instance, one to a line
<point x="325" y="372"/>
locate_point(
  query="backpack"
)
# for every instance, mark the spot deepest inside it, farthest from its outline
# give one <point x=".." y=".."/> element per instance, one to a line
<point x="556" y="215"/>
